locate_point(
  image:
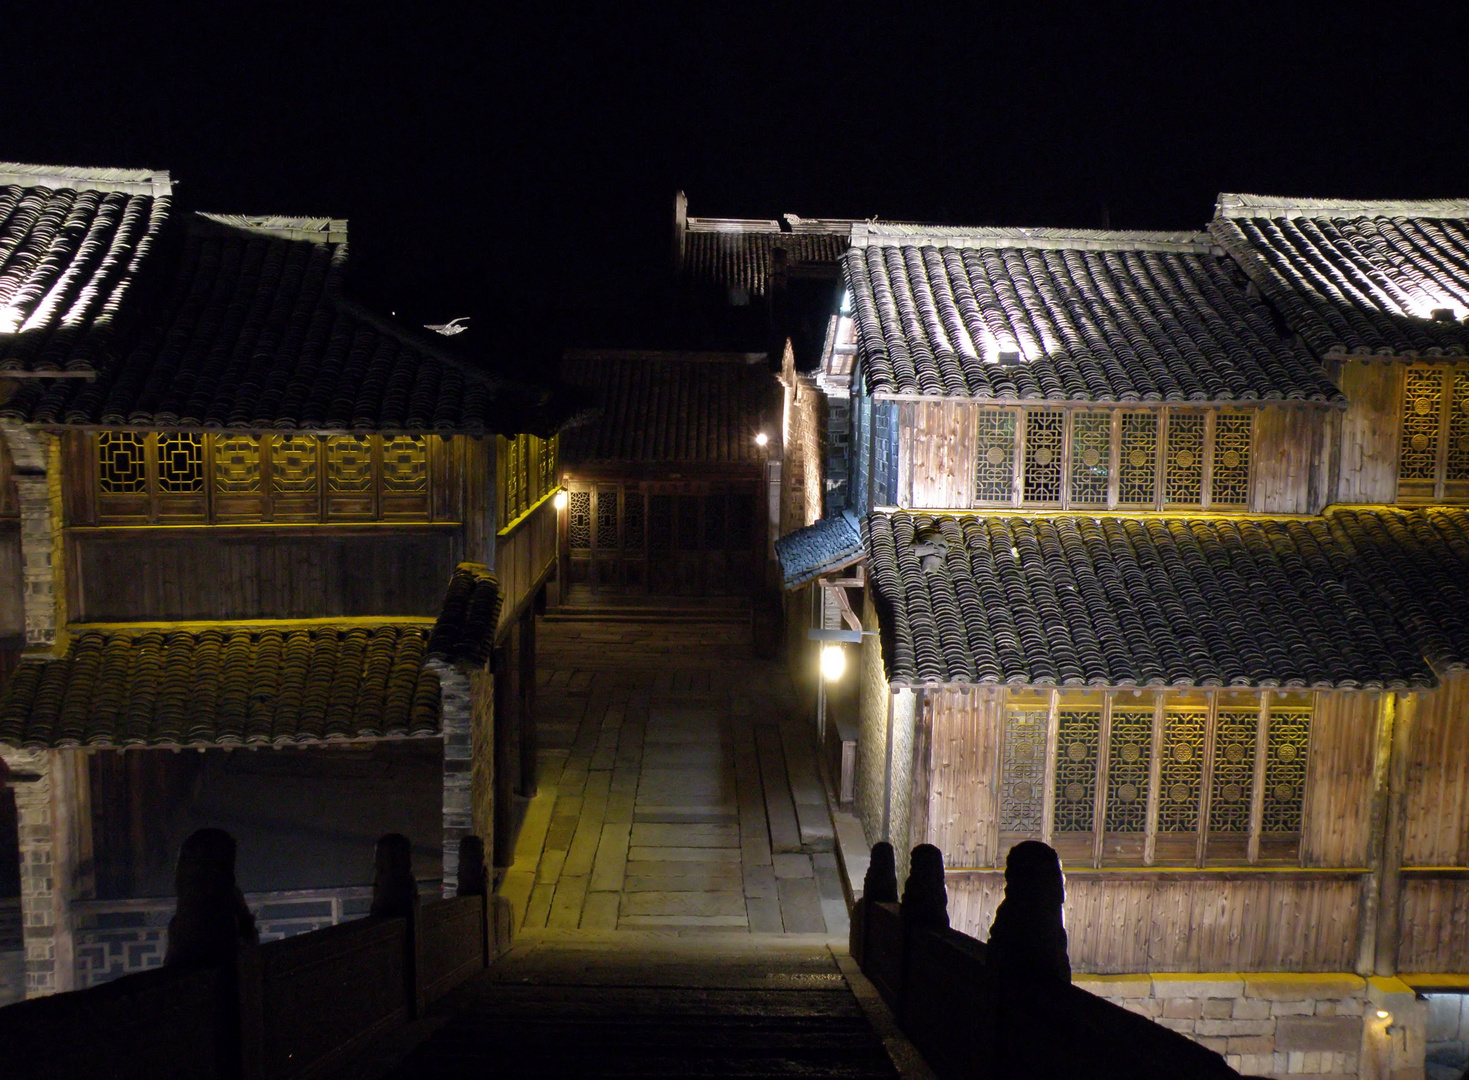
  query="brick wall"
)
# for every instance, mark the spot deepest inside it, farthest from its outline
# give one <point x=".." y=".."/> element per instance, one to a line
<point x="803" y="466"/>
<point x="36" y="462"/>
<point x="42" y="895"/>
<point x="838" y="452"/>
<point x="458" y="719"/>
<point x="1282" y="1024"/>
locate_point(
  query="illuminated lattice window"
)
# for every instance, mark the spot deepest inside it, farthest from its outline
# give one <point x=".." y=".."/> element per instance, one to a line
<point x="1076" y="769"/>
<point x="348" y="464"/>
<point x="1138" y="462"/>
<point x="180" y="464"/>
<point x="1422" y="419"/>
<point x="1288" y="737"/>
<point x="606" y="518"/>
<point x="1183" y="465"/>
<point x="1181" y="776"/>
<point x="995" y="457"/>
<point x="660" y="522"/>
<point x="1458" y="456"/>
<point x="293" y="464"/>
<point x="579" y="520"/>
<point x="405" y="465"/>
<point x="121" y="462"/>
<point x="632" y="522"/>
<point x="1230" y="485"/>
<point x="1044" y="432"/>
<point x="1234" y="770"/>
<point x="546" y="463"/>
<point x="512" y="492"/>
<point x="237" y="464"/>
<point x="1022" y="778"/>
<point x="1091" y="447"/>
<point x="1129" y="751"/>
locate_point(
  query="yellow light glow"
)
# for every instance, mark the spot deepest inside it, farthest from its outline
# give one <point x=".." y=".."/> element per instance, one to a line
<point x="1383" y="1014"/>
<point x="761" y="439"/>
<point x="833" y="662"/>
<point x="560" y="500"/>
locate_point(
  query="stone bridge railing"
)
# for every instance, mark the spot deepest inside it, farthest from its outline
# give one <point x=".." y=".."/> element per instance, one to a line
<point x="287" y="1009"/>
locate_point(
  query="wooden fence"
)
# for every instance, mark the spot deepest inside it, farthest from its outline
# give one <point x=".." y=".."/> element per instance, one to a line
<point x="287" y="1010"/>
<point x="969" y="1021"/>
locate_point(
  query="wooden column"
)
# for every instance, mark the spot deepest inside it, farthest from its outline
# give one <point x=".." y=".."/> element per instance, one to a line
<point x="528" y="744"/>
<point x="920" y="783"/>
<point x="1389" y="908"/>
<point x="506" y="767"/>
<point x="1371" y="888"/>
<point x="1257" y="789"/>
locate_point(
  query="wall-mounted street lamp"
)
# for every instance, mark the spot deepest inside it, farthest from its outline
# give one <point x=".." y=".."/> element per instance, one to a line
<point x="833" y="662"/>
<point x="761" y="438"/>
<point x="559" y="499"/>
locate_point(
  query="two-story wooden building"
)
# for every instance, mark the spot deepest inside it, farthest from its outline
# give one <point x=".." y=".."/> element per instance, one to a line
<point x="1160" y="569"/>
<point x="258" y="522"/>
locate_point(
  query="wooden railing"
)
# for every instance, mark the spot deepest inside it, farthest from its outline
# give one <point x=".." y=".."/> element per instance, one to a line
<point x="969" y="1021"/>
<point x="286" y="1010"/>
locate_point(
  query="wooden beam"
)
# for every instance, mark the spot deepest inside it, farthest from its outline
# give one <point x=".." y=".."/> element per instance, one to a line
<point x="848" y="615"/>
<point x="1369" y="901"/>
<point x="1257" y="789"/>
<point x="1048" y="794"/>
<point x="1155" y="780"/>
<point x="1388" y="914"/>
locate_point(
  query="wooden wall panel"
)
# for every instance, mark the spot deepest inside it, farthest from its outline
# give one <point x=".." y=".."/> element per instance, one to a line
<point x="872" y="709"/>
<point x="939" y="456"/>
<point x="523" y="558"/>
<point x="1369" y="433"/>
<point x="963" y="804"/>
<point x="1286" y="441"/>
<point x="137" y="576"/>
<point x="1437" y="799"/>
<point x="1337" y="815"/>
<point x="1117" y="925"/>
<point x="1434" y="928"/>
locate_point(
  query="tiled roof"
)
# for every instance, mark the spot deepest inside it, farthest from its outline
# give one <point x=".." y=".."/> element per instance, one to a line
<point x="69" y="258"/>
<point x="465" y="630"/>
<point x="822" y="547"/>
<point x="740" y="253"/>
<point x="1357" y="278"/>
<point x="1074" y="601"/>
<point x="254" y="333"/>
<point x="686" y="407"/>
<point x="1419" y="562"/>
<point x="1039" y="314"/>
<point x="271" y="686"/>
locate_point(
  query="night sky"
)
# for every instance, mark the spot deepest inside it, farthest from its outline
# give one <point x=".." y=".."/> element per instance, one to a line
<point x="520" y="168"/>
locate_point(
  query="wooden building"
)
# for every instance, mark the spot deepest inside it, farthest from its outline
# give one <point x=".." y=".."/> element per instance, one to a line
<point x="251" y="518"/>
<point x="670" y="490"/>
<point x="1162" y="568"/>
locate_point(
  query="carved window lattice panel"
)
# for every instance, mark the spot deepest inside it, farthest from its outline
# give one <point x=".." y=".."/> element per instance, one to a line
<point x="1044" y="435"/>
<point x="405" y="465"/>
<point x="122" y="463"/>
<point x="579" y="520"/>
<point x="512" y="479"/>
<point x="632" y="522"/>
<point x="237" y="464"/>
<point x="1076" y="769"/>
<point x="1288" y="738"/>
<point x="348" y="464"/>
<point x="293" y="464"/>
<point x="546" y="463"/>
<point x="1458" y="456"/>
<point x="1183" y="465"/>
<point x="1230" y="484"/>
<point x="606" y="535"/>
<point x="1422" y="418"/>
<point x="1181" y="776"/>
<point x="1137" y="465"/>
<point x="1022" y="776"/>
<point x="1091" y="448"/>
<point x="660" y="522"/>
<point x="1234" y="770"/>
<point x="1129" y="751"/>
<point x="181" y="464"/>
<point x="995" y="456"/>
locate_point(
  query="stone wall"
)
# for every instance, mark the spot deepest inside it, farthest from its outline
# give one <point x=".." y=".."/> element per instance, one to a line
<point x="457" y="711"/>
<point x="1283" y="1024"/>
<point x="1447" y="1035"/>
<point x="802" y="457"/>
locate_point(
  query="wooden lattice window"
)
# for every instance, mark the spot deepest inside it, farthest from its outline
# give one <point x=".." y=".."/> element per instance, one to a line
<point x="185" y="478"/>
<point x="528" y="473"/>
<point x="1142" y="459"/>
<point x="632" y="521"/>
<point x="1176" y="778"/>
<point x="1433" y="445"/>
<point x="579" y="521"/>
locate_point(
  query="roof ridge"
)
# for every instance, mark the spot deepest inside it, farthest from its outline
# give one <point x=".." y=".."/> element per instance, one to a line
<point x="1240" y="205"/>
<point x="674" y="355"/>
<point x="878" y="233"/>
<point x="155" y="182"/>
<point x="320" y="230"/>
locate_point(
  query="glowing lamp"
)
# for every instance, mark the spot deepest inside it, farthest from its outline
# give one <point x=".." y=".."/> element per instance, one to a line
<point x="559" y="500"/>
<point x="833" y="662"/>
<point x="1383" y="1014"/>
<point x="761" y="439"/>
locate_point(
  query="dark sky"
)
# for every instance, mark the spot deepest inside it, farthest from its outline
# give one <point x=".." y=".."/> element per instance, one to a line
<point x="520" y="167"/>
